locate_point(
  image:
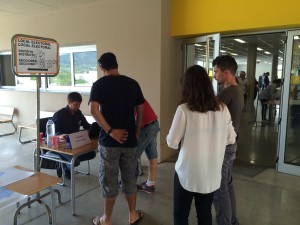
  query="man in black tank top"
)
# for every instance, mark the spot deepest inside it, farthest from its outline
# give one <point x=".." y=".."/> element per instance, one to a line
<point x="113" y="99"/>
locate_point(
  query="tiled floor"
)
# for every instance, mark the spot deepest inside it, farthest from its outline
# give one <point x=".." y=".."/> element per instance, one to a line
<point x="264" y="196"/>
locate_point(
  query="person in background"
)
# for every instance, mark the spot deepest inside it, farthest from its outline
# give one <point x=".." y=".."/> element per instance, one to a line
<point x="147" y="142"/>
<point x="244" y="84"/>
<point x="261" y="81"/>
<point x="256" y="89"/>
<point x="69" y="120"/>
<point x="113" y="100"/>
<point x="203" y="126"/>
<point x="269" y="93"/>
<point x="267" y="80"/>
<point x="225" y="68"/>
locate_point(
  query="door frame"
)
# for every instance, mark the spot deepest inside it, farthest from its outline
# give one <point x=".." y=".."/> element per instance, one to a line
<point x="281" y="166"/>
<point x="217" y="43"/>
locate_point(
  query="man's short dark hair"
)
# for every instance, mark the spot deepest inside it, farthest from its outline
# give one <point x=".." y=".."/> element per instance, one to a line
<point x="277" y="81"/>
<point x="226" y="62"/>
<point x="108" y="61"/>
<point x="74" y="97"/>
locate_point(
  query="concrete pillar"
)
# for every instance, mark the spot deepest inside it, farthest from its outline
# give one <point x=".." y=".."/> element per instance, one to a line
<point x="251" y="68"/>
<point x="274" y="74"/>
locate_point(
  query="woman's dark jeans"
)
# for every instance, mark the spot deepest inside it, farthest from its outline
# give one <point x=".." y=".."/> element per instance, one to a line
<point x="182" y="205"/>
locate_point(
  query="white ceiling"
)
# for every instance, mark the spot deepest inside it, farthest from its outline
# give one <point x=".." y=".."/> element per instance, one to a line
<point x="10" y="9"/>
<point x="272" y="43"/>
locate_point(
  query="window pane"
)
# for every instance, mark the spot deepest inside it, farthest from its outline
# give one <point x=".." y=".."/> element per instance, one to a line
<point x="85" y="68"/>
<point x="26" y="82"/>
<point x="64" y="76"/>
<point x="7" y="77"/>
<point x="292" y="150"/>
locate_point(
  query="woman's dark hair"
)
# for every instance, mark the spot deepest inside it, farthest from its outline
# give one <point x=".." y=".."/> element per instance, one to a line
<point x="197" y="90"/>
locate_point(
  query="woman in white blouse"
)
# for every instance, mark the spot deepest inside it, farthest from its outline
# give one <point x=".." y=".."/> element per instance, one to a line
<point x="202" y="128"/>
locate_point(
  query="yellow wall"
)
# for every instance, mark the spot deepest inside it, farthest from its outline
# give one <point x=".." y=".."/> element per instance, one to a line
<point x="195" y="17"/>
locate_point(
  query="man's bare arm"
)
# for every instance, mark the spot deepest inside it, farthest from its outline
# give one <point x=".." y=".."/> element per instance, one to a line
<point x="120" y="135"/>
<point x="139" y="118"/>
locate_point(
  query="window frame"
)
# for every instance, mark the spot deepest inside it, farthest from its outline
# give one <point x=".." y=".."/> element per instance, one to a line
<point x="71" y="50"/>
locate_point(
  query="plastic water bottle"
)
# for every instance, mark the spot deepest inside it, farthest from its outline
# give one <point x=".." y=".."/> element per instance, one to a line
<point x="50" y="131"/>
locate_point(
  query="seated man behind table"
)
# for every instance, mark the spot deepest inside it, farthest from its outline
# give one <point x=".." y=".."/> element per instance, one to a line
<point x="69" y="120"/>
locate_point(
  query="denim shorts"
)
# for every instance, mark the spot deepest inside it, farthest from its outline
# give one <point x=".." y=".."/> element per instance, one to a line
<point x="111" y="160"/>
<point x="147" y="141"/>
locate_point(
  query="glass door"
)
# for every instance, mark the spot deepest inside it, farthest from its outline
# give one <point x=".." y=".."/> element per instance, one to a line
<point x="289" y="141"/>
<point x="201" y="51"/>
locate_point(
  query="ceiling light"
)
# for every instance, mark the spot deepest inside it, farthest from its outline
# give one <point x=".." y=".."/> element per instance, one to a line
<point x="296" y="37"/>
<point x="265" y="62"/>
<point x="223" y="51"/>
<point x="198" y="45"/>
<point x="239" y="40"/>
<point x="259" y="49"/>
<point x="233" y="54"/>
<point x="280" y="52"/>
<point x="268" y="53"/>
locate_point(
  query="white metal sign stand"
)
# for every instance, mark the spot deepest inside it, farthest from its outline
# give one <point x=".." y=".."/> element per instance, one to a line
<point x="35" y="57"/>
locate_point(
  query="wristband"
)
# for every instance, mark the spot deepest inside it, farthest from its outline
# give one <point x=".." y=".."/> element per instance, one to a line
<point x="109" y="131"/>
